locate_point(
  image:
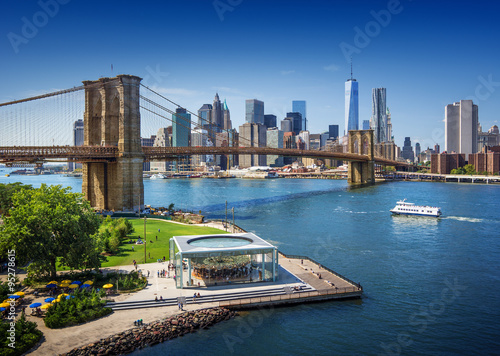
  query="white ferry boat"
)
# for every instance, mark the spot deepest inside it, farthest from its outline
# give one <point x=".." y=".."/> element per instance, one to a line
<point x="404" y="208"/>
<point x="158" y="176"/>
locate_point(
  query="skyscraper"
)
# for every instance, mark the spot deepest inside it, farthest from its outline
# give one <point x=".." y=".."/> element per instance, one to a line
<point x="205" y="115"/>
<point x="408" y="150"/>
<point x="351" y="105"/>
<point x="270" y="121"/>
<point x="461" y="119"/>
<point x="333" y="131"/>
<point x="300" y="106"/>
<point x="287" y="124"/>
<point x="417" y="150"/>
<point x="378" y="121"/>
<point x="274" y="138"/>
<point x="217" y="115"/>
<point x="162" y="140"/>
<point x="199" y="138"/>
<point x="252" y="135"/>
<point x="389" y="126"/>
<point x="297" y="121"/>
<point x="77" y="141"/>
<point x="226" y="116"/>
<point x="149" y="142"/>
<point x="181" y="128"/>
<point x="254" y="111"/>
<point x="366" y="124"/>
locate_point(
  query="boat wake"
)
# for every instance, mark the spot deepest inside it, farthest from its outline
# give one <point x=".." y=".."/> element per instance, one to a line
<point x="462" y="218"/>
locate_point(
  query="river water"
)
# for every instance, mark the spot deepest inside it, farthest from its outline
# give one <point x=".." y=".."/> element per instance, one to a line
<point x="432" y="286"/>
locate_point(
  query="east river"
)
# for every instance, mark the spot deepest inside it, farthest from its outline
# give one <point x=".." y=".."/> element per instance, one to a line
<point x="432" y="286"/>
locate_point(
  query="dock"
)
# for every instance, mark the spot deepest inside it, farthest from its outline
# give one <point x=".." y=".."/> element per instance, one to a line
<point x="301" y="280"/>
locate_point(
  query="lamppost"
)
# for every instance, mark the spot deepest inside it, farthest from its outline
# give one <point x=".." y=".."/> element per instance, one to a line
<point x="145" y="239"/>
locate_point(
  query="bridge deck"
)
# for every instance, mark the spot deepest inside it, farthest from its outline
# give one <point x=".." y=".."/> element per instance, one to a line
<point x="110" y="153"/>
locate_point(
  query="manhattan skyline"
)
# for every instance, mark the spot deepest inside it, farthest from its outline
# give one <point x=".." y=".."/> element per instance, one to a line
<point x="410" y="48"/>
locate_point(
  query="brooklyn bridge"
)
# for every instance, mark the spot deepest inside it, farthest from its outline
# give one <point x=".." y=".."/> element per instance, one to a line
<point x="114" y="112"/>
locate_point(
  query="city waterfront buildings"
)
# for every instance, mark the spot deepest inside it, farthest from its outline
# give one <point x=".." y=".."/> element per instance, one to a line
<point x="443" y="163"/>
<point x="461" y="123"/>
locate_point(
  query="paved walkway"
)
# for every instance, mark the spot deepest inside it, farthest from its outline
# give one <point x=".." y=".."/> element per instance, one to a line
<point x="309" y="272"/>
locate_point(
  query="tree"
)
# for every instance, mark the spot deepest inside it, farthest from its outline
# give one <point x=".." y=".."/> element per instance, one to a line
<point x="469" y="169"/>
<point x="6" y="192"/>
<point x="49" y="225"/>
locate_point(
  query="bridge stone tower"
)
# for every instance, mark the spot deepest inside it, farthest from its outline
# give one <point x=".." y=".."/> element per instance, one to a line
<point x="361" y="142"/>
<point x="112" y="118"/>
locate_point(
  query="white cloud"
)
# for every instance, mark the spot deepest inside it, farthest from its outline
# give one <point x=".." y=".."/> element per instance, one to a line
<point x="331" y="68"/>
<point x="287" y="72"/>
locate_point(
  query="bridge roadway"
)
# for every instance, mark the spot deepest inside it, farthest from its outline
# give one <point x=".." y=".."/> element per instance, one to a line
<point x="110" y="153"/>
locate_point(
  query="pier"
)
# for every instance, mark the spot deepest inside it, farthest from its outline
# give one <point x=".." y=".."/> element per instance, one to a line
<point x="299" y="282"/>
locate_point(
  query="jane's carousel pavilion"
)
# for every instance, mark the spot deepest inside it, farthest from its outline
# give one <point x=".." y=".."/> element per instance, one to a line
<point x="210" y="260"/>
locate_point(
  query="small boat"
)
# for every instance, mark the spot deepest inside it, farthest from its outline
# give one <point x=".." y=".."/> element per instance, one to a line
<point x="272" y="175"/>
<point x="404" y="208"/>
<point x="158" y="176"/>
<point x="145" y="175"/>
<point x="7" y="175"/>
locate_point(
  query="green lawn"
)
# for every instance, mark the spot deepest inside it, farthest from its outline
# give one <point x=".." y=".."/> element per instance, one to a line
<point x="157" y="249"/>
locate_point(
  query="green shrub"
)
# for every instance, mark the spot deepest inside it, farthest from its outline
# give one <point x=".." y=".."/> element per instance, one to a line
<point x="27" y="335"/>
<point x="86" y="306"/>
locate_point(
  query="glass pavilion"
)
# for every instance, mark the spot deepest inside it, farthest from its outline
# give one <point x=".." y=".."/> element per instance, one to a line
<point x="204" y="260"/>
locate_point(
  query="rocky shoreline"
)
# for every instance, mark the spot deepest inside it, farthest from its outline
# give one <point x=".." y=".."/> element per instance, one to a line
<point x="155" y="332"/>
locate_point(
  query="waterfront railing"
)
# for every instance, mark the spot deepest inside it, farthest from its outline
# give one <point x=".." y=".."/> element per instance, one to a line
<point x="345" y="292"/>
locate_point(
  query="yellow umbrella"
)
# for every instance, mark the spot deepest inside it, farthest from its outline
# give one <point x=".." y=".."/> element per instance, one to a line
<point x="88" y="282"/>
<point x="73" y="286"/>
<point x="53" y="282"/>
<point x="5" y="305"/>
<point x="62" y="295"/>
<point x="21" y="294"/>
<point x="55" y="301"/>
<point x="107" y="286"/>
<point x="64" y="285"/>
<point x="46" y="306"/>
<point x="66" y="281"/>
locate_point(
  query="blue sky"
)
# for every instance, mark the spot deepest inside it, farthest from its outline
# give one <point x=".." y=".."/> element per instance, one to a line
<point x="427" y="54"/>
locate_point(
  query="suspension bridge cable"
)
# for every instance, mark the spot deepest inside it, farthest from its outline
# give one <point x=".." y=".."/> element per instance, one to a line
<point x="199" y="117"/>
